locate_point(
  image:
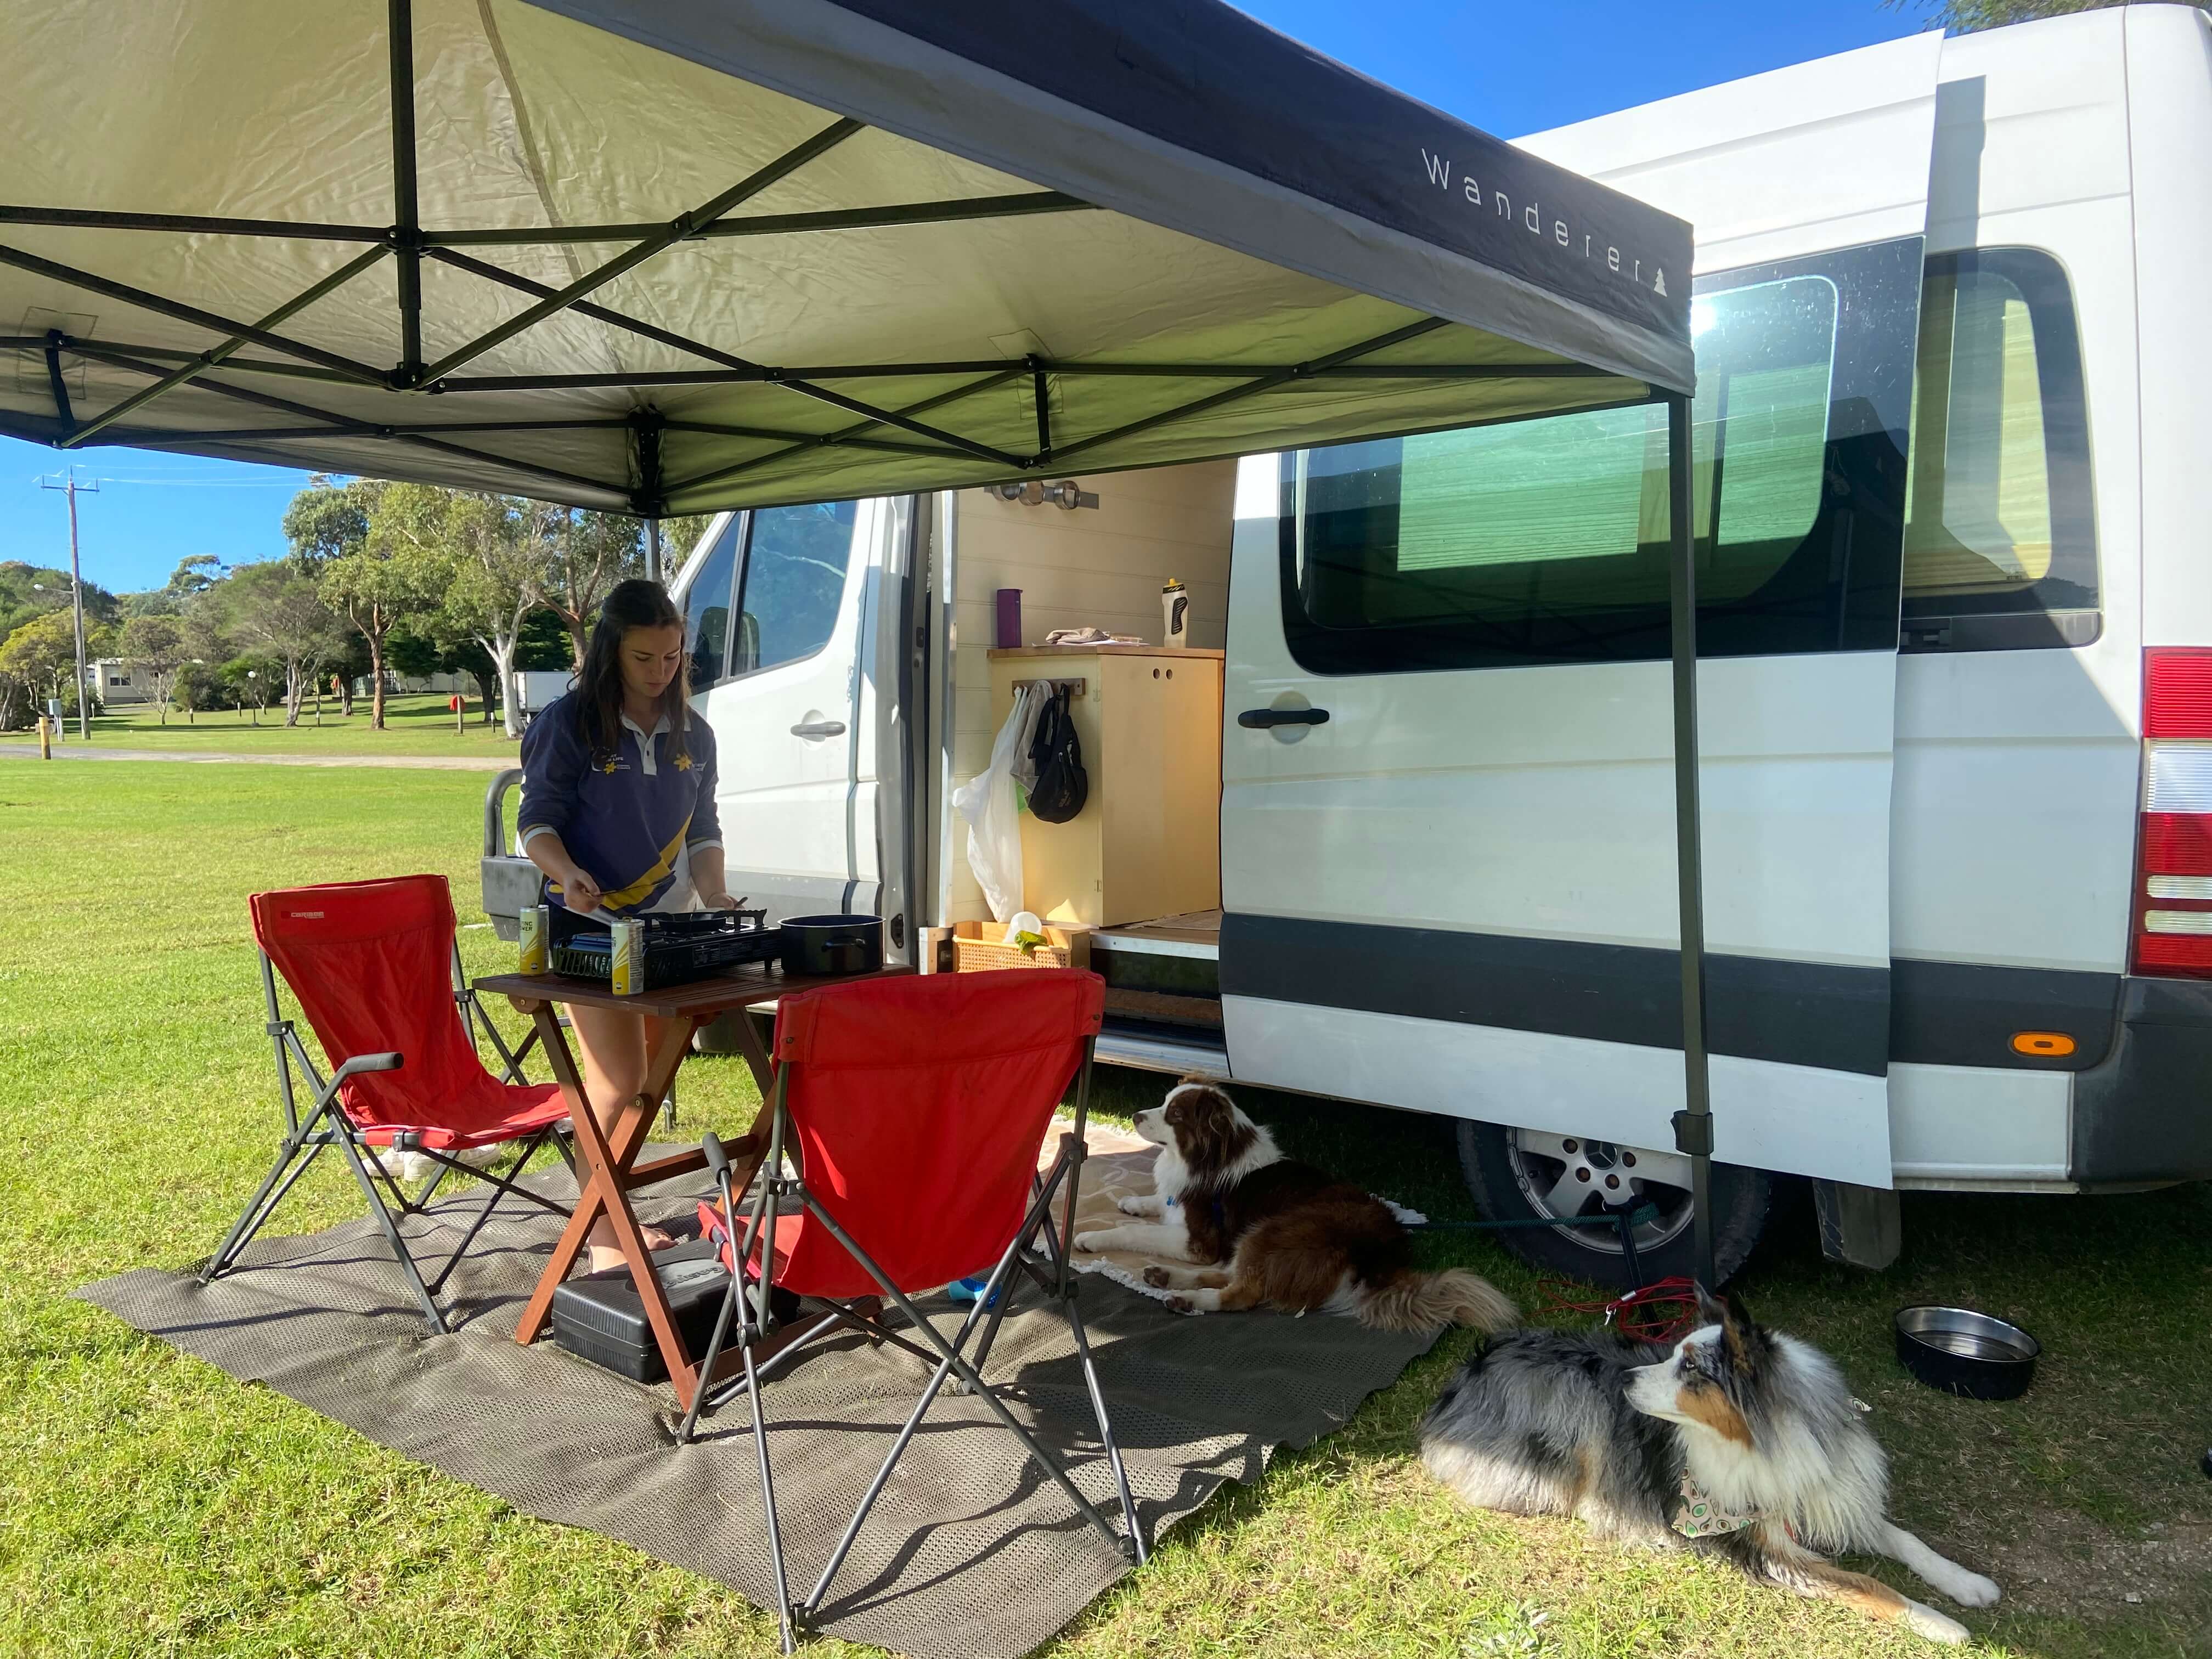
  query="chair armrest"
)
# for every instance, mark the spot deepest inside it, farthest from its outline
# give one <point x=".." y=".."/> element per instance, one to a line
<point x="360" y="1063"/>
<point x="353" y="1067"/>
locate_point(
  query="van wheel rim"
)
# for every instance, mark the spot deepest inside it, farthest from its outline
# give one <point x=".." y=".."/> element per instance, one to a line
<point x="1570" y="1175"/>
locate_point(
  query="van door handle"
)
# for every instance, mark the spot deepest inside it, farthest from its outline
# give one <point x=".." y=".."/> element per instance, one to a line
<point x="818" y="729"/>
<point x="1260" y="720"/>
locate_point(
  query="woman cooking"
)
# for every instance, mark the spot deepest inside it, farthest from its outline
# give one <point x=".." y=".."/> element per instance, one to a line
<point x="618" y="811"/>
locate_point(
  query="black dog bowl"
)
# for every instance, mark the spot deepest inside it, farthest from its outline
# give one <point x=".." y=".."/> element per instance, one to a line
<point x="1966" y="1353"/>
<point x="815" y="946"/>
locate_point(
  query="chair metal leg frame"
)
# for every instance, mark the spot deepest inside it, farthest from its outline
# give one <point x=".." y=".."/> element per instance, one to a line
<point x="950" y="1362"/>
<point x="311" y="1138"/>
<point x="473" y="1015"/>
<point x="323" y="1126"/>
<point x="307" y="1135"/>
<point x="264" y="1200"/>
<point x="508" y="1183"/>
<point x="501" y="1186"/>
<point x="1061" y="1286"/>
<point x="300" y="1134"/>
<point x="389" y="1228"/>
<point x="768" y="1500"/>
<point x="994" y="1307"/>
<point x="522" y="1052"/>
<point x="832" y="1315"/>
<point x="735" y="1302"/>
<point x="747" y="1310"/>
<point x="1075" y="1151"/>
<point x="750" y="1311"/>
<point x="1136" y="1542"/>
<point x="827" y="1321"/>
<point x="1039" y="1220"/>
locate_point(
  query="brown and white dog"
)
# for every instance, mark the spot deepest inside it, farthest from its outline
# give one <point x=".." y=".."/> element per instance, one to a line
<point x="1267" y="1231"/>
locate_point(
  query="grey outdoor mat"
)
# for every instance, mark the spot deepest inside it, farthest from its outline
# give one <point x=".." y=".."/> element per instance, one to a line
<point x="972" y="1553"/>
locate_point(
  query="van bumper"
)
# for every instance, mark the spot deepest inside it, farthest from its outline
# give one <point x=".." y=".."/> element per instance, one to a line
<point x="2144" y="1112"/>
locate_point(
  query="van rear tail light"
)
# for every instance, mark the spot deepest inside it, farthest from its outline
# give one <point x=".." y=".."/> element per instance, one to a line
<point x="2178" y="694"/>
<point x="2173" y="868"/>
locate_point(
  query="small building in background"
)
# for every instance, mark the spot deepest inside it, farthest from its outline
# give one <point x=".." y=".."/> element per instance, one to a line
<point x="115" y="682"/>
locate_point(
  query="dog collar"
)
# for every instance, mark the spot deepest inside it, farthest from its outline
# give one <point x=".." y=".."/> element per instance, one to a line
<point x="1698" y="1517"/>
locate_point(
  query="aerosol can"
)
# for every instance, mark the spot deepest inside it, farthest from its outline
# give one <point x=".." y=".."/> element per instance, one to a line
<point x="1174" y="613"/>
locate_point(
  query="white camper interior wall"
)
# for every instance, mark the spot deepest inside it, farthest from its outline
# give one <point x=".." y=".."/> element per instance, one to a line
<point x="1100" y="566"/>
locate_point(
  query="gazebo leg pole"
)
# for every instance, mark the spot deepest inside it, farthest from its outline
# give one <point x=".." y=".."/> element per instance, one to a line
<point x="1693" y="1126"/>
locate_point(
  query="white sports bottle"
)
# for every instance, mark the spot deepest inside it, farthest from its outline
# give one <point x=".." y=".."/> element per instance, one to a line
<point x="1174" y="613"/>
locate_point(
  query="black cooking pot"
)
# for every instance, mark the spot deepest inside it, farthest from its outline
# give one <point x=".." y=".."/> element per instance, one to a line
<point x="817" y="946"/>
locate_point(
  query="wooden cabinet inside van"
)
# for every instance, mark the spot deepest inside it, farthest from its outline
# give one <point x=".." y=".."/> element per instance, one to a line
<point x="1148" y="840"/>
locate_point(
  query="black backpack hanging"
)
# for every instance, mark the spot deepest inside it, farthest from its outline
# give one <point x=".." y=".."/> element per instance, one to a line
<point x="1062" y="785"/>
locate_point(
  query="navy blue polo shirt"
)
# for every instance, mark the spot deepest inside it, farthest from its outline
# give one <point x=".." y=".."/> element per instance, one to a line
<point x="633" y="819"/>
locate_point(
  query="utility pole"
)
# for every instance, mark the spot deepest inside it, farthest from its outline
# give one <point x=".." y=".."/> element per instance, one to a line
<point x="68" y="485"/>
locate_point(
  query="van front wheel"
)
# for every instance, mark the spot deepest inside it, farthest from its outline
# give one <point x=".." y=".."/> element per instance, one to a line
<point x="1530" y="1175"/>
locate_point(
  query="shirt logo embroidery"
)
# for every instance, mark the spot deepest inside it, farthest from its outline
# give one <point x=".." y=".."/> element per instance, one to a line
<point x="614" y="763"/>
<point x="684" y="763"/>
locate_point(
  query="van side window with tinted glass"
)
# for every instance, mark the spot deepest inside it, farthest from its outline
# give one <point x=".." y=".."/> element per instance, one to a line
<point x="1546" y="540"/>
<point x="2000" y="542"/>
<point x="793" y="585"/>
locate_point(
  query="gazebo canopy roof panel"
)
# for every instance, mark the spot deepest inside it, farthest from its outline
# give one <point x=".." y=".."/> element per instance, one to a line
<point x="263" y="109"/>
<point x="1319" y="411"/>
<point x="663" y="251"/>
<point x="1192" y="115"/>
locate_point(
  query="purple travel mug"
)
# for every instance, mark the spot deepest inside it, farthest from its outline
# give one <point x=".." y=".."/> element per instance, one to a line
<point x="1010" y="619"/>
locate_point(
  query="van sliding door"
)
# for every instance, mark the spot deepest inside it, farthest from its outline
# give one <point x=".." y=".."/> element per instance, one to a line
<point x="1447" y="819"/>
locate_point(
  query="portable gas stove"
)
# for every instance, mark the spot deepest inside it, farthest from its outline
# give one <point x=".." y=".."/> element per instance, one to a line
<point x="670" y="948"/>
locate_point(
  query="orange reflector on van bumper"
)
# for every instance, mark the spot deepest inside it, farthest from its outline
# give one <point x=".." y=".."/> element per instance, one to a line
<point x="2043" y="1045"/>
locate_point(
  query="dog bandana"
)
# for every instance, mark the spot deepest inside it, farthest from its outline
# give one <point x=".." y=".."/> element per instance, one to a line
<point x="1698" y="1516"/>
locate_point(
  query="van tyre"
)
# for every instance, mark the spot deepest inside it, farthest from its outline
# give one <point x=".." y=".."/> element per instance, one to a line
<point x="1519" y="1175"/>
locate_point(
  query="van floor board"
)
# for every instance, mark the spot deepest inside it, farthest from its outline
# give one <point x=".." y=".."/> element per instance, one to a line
<point x="1199" y="928"/>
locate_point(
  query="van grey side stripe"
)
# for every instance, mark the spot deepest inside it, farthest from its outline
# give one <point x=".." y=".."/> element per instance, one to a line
<point x="1798" y="1013"/>
<point x="1959" y="1013"/>
<point x="1937" y="1013"/>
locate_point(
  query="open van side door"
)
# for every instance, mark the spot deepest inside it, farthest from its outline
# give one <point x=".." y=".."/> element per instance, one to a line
<point x="776" y="600"/>
<point x="1448" y="852"/>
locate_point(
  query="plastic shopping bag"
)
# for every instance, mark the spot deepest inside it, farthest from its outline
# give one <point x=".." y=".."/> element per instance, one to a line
<point x="995" y="832"/>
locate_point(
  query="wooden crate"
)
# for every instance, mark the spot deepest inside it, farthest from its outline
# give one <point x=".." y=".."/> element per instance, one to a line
<point x="977" y="949"/>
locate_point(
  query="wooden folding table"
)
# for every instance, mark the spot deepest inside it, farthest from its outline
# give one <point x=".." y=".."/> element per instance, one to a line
<point x="607" y="1167"/>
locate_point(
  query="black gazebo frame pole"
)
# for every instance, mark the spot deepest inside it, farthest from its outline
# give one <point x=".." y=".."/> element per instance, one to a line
<point x="406" y="214"/>
<point x="1694" y="1125"/>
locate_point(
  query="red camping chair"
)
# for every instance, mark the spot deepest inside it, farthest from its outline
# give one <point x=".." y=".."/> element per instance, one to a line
<point x="913" y="1110"/>
<point x="375" y="967"/>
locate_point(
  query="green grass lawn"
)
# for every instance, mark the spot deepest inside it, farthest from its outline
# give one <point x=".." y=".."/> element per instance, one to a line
<point x="150" y="1504"/>
<point x="414" y="724"/>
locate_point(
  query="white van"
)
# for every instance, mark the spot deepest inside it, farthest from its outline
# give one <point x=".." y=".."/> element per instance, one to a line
<point x="1958" y="868"/>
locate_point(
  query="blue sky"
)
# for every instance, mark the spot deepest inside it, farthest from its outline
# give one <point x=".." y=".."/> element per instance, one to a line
<point x="1510" y="69"/>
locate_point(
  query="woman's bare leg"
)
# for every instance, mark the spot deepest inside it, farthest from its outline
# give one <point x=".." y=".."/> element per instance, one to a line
<point x="615" y="1045"/>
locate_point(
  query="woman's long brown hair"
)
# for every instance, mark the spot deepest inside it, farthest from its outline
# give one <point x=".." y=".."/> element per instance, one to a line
<point x="634" y="604"/>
